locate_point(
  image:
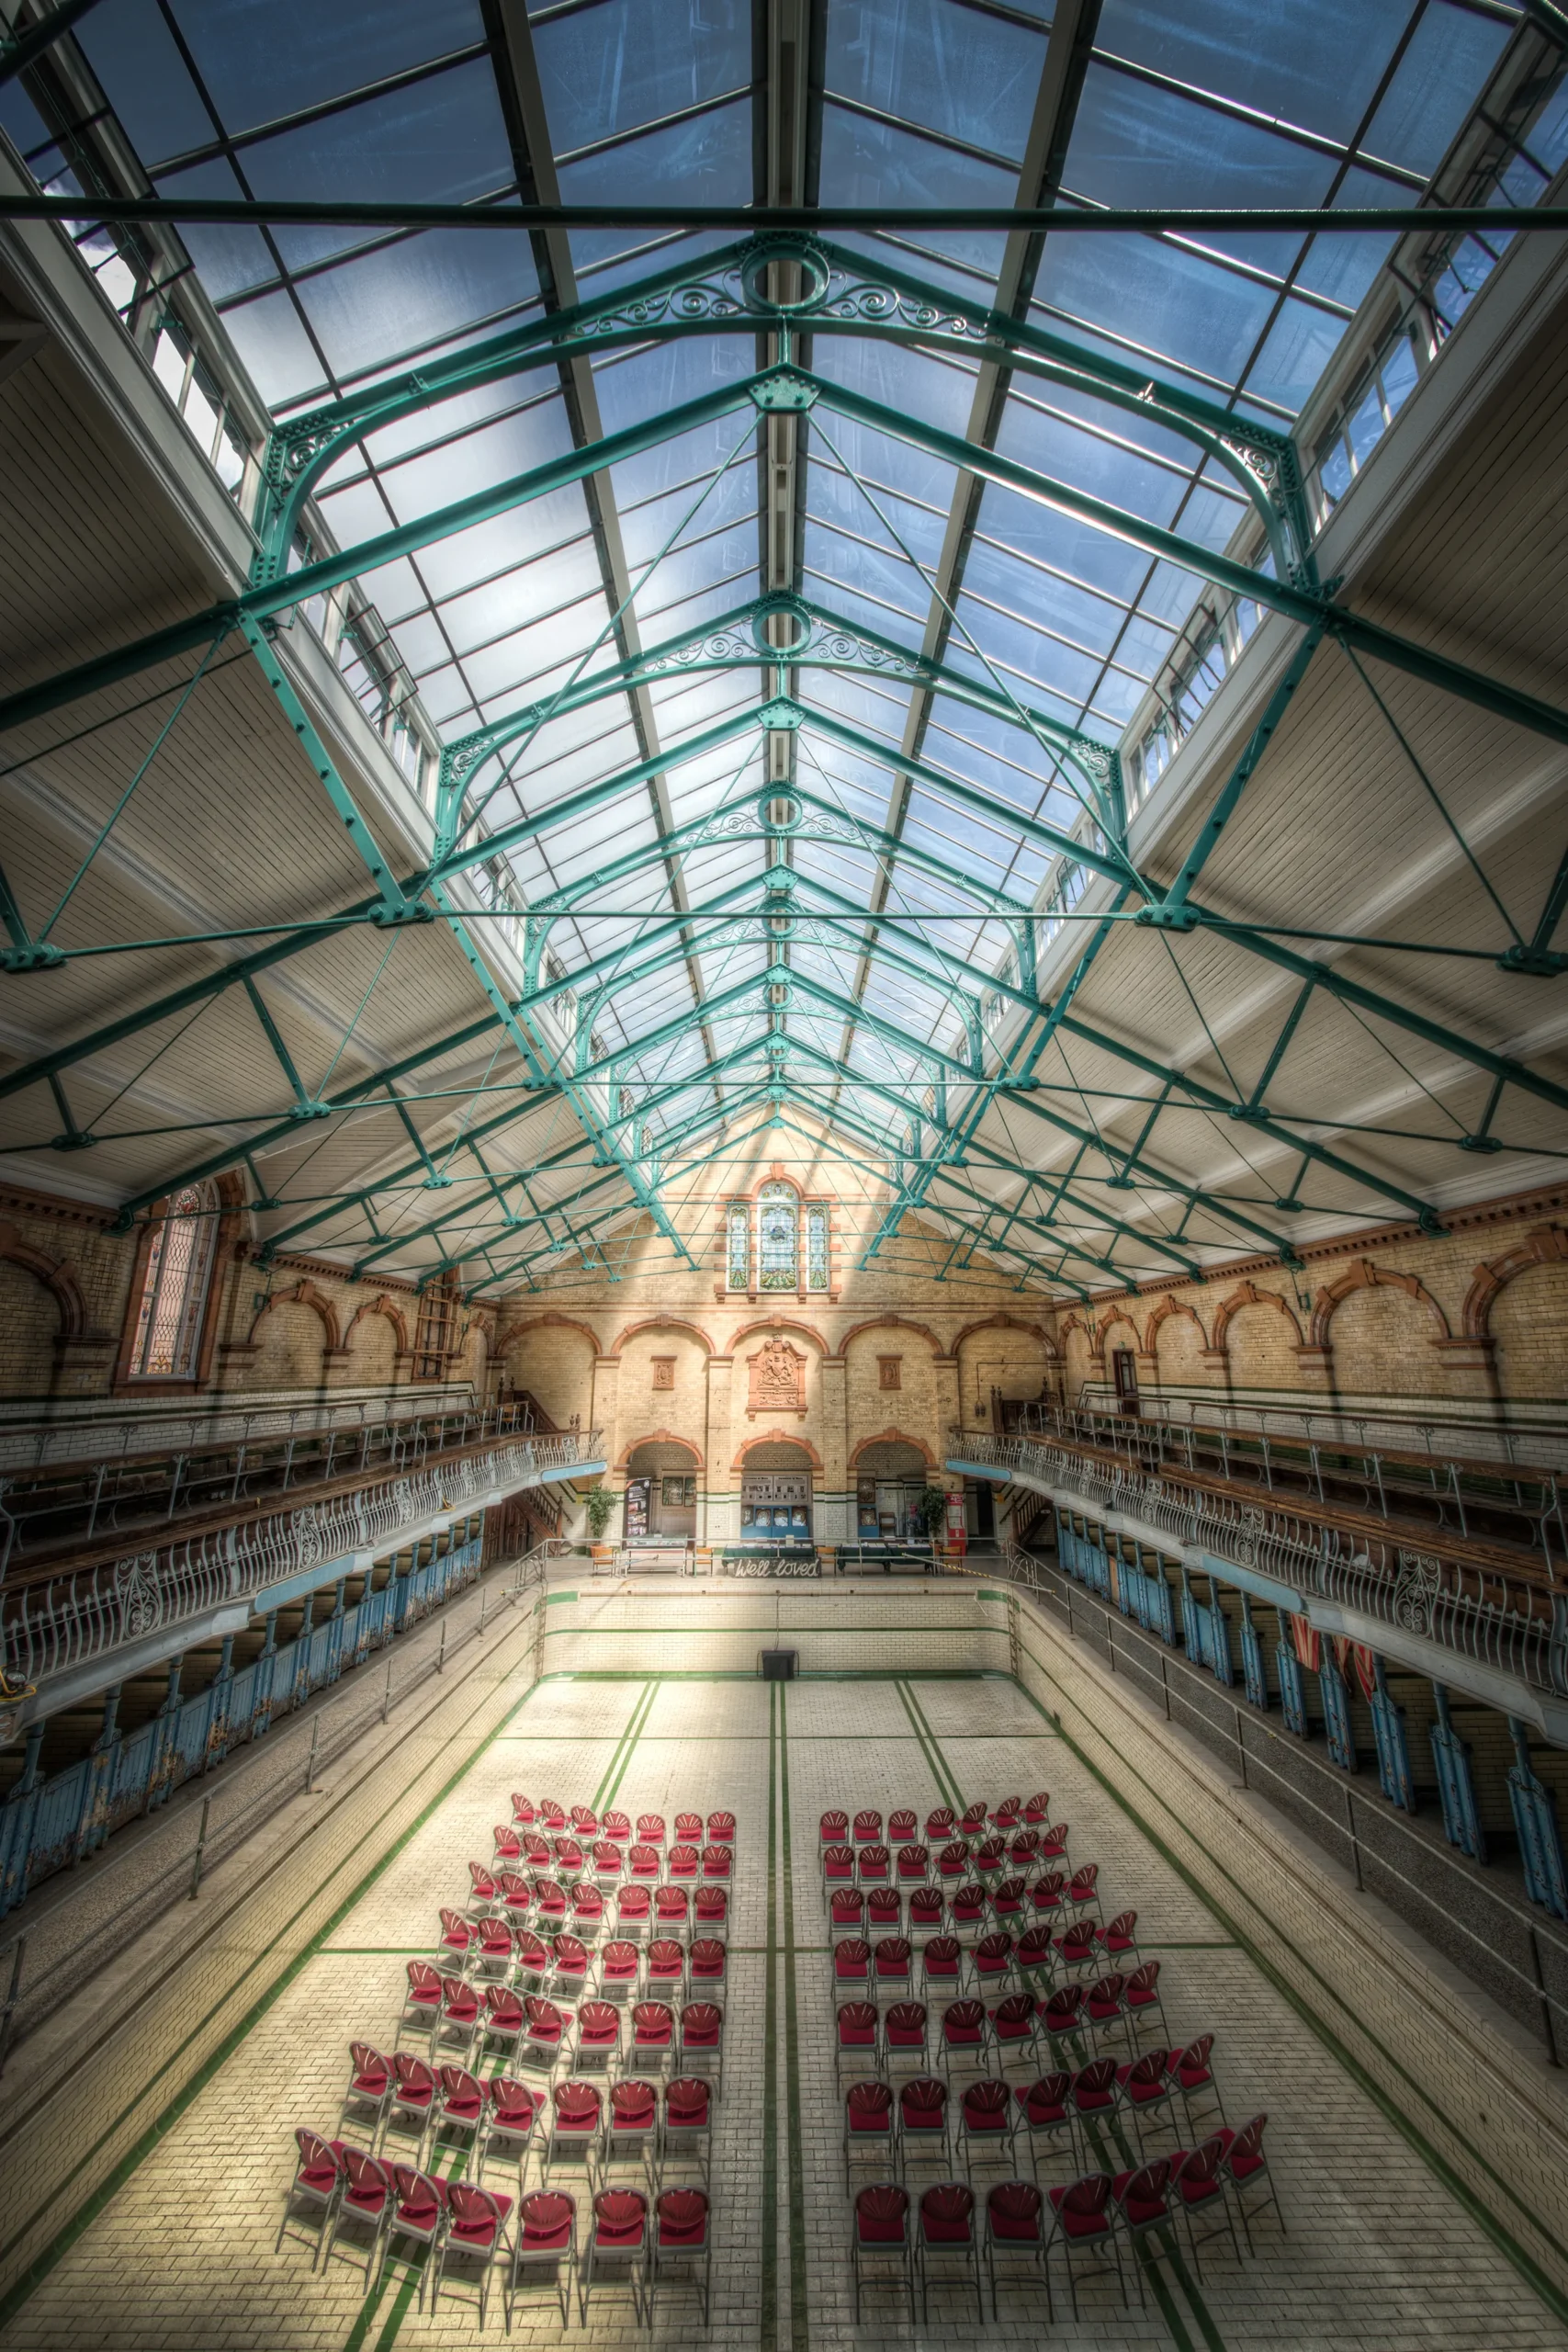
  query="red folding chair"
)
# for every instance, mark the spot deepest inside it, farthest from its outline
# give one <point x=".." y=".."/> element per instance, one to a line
<point x="1143" y="1998"/>
<point x="873" y="1865"/>
<point x="707" y="1966"/>
<point x="1105" y="2007"/>
<point x="672" y="1911"/>
<point x="1192" y="2073"/>
<point x="1034" y="1958"/>
<point x="585" y="1820"/>
<point x="689" y="1828"/>
<point x="952" y="1860"/>
<point x="1015" y="2234"/>
<point x="633" y="1908"/>
<point x="460" y="2109"/>
<point x="505" y="2020"/>
<point x="1083" y="1889"/>
<point x="523" y="1809"/>
<point x="508" y="1844"/>
<point x="868" y="2127"/>
<point x="569" y="1968"/>
<point x="576" y="2116"/>
<point x="884" y="1911"/>
<point x="552" y="1815"/>
<point x="1023" y="1850"/>
<point x="546" y="2036"/>
<point x="847" y="1908"/>
<point x="530" y="1959"/>
<point x="832" y="1829"/>
<point x="598" y="2037"/>
<point x="310" y="2199"/>
<point x="939" y="1824"/>
<point x="617" y="2247"/>
<point x="990" y="1859"/>
<point x="369" y="2089"/>
<point x="985" y="2124"/>
<point x="1008" y="1899"/>
<point x="856" y="2035"/>
<point x="664" y="1968"/>
<point x="650" y="1828"/>
<point x="1006" y="1812"/>
<point x="1080" y="1946"/>
<point x="1199" y="2183"/>
<point x="969" y="1907"/>
<point x="719" y="1863"/>
<point x="1037" y="1808"/>
<point x="922" y="2122"/>
<point x="415" y="2224"/>
<point x="1014" y="2028"/>
<point x="454" y="1941"/>
<point x="421" y="2003"/>
<point x="1142" y="2199"/>
<point x="587" y="1911"/>
<point x="1246" y="2169"/>
<point x="1047" y="2117"/>
<point x="633" y="2125"/>
<point x="545" y="2240"/>
<point x="618" y="1826"/>
<point x="457" y="2022"/>
<point x="1054" y="1842"/>
<point x="972" y="1821"/>
<point x="364" y="2203"/>
<point x="702" y="2043"/>
<point x="1083" y="2223"/>
<point x="992" y="1961"/>
<point x="484" y="1891"/>
<point x="536" y="1852"/>
<point x="1147" y="2085"/>
<point x="879" y="2241"/>
<point x="687" y="2134"/>
<point x="1119" y="1941"/>
<point x="550" y="1904"/>
<point x="1046" y="1895"/>
<point x="941" y="1963"/>
<point x="851" y="1963"/>
<point x="679" y="2248"/>
<point x="721" y="1829"/>
<point x="643" y="1863"/>
<point x="412" y="2103"/>
<point x="910" y="1864"/>
<point x="619" y="1968"/>
<point x="891" y="1957"/>
<point x="516" y="1898"/>
<point x="1062" y="2020"/>
<point x="684" y="1866"/>
<point x="838" y="1868"/>
<point x="867" y="1828"/>
<point x="928" y="1908"/>
<point x="946" y="2236"/>
<point x="961" y="2038"/>
<point x="568" y="1859"/>
<point x="509" y="2122"/>
<point x="653" y="2036"/>
<point x="904" y="2031"/>
<point x="902" y="1827"/>
<point x="710" y="1910"/>
<point x="495" y="1948"/>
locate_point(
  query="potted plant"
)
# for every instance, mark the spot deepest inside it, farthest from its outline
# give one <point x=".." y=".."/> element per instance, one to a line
<point x="600" y="1505"/>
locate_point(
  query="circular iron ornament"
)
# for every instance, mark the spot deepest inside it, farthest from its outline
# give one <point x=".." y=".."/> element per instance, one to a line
<point x="817" y="276"/>
<point x="794" y="812"/>
<point x="781" y="608"/>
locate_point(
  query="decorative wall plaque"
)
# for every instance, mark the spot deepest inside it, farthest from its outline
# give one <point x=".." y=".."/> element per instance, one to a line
<point x="778" y="1379"/>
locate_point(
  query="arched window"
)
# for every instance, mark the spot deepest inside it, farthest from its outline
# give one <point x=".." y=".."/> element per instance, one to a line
<point x="777" y="1237"/>
<point x="738" y="1233"/>
<point x="816" y="1245"/>
<point x="175" y="1287"/>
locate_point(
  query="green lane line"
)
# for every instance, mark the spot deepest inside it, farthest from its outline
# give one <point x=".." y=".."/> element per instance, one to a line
<point x="954" y="1794"/>
<point x="88" y="2211"/>
<point x="1518" y="2256"/>
<point x="768" y="2316"/>
<point x="634" y="1732"/>
<point x="942" y="1787"/>
<point x="1169" y="2308"/>
<point x="799" y="2315"/>
<point x="620" y="1748"/>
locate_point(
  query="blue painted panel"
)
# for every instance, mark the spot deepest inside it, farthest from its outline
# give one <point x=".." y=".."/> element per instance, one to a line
<point x="1534" y="1820"/>
<point x="1254" y="1668"/>
<point x="1456" y="1783"/>
<point x="1337" y="1714"/>
<point x="1292" y="1691"/>
<point x="1393" y="1750"/>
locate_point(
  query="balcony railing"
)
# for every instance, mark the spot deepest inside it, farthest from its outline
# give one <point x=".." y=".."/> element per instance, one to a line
<point x="56" y="1621"/>
<point x="1460" y="1595"/>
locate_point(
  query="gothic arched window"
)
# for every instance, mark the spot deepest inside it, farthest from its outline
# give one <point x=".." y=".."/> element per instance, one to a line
<point x="777" y="1237"/>
<point x="816" y="1245"/>
<point x="738" y="1232"/>
<point x="174" y="1287"/>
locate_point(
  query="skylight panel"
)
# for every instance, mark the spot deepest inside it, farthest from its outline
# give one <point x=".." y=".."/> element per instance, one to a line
<point x="608" y="70"/>
<point x="957" y="71"/>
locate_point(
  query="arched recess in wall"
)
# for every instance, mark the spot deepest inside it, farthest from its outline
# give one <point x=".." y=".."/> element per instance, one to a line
<point x="1380" y="1325"/>
<point x="1260" y="1335"/>
<point x="42" y="1305"/>
<point x="376" y="1335"/>
<point x="552" y="1358"/>
<point x="660" y="1450"/>
<point x="1519" y="1302"/>
<point x="1000" y="1356"/>
<point x="1080" y="1354"/>
<point x="1176" y="1338"/>
<point x="289" y="1339"/>
<point x="776" y="1449"/>
<point x="892" y="1453"/>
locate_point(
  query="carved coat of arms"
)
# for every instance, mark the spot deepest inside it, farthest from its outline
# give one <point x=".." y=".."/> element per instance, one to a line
<point x="778" y="1379"/>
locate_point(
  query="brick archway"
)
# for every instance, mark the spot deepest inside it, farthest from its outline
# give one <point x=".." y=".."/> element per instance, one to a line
<point x="552" y="1322"/>
<point x="1364" y="1275"/>
<point x="304" y="1294"/>
<point x="894" y="1437"/>
<point x="663" y="1327"/>
<point x="1163" y="1314"/>
<point x="778" y="1437"/>
<point x="380" y="1305"/>
<point x="53" y="1275"/>
<point x="660" y="1437"/>
<point x="1247" y="1295"/>
<point x="1545" y="1245"/>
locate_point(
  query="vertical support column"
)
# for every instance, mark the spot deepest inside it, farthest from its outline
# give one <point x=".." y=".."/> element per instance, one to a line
<point x="217" y="1703"/>
<point x="1292" y="1682"/>
<point x="1336" y="1713"/>
<point x="1393" y="1748"/>
<point x="1456" y="1783"/>
<point x="836" y="1516"/>
<point x="1255" y="1673"/>
<point x="718" y="1520"/>
<point x="1535" y="1819"/>
<point x="160" y="1763"/>
<point x="267" y="1669"/>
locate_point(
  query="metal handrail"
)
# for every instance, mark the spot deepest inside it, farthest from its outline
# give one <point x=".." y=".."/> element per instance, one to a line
<point x="1504" y="1622"/>
<point x="1536" y="1448"/>
<point x="82" y="1614"/>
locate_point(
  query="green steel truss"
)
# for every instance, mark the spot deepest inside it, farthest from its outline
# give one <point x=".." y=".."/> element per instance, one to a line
<point x="924" y="1097"/>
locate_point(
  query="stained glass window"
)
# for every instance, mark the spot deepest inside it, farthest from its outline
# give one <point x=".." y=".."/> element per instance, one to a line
<point x="776" y="1236"/>
<point x="174" y="1287"/>
<point x="740" y="1229"/>
<point x="817" y="1245"/>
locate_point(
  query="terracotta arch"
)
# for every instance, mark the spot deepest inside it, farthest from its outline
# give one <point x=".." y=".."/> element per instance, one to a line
<point x="778" y="1437"/>
<point x="1008" y="1323"/>
<point x="661" y="1324"/>
<point x="660" y="1437"/>
<point x="304" y="1294"/>
<point x="779" y="1323"/>
<point x="1125" y="1319"/>
<point x="54" y="1274"/>
<point x="380" y="1304"/>
<point x="894" y="1437"/>
<point x="1247" y="1295"/>
<point x="531" y="1323"/>
<point x="1163" y="1312"/>
<point x="1545" y="1245"/>
<point x="1364" y="1275"/>
<point x="1076" y="1322"/>
<point x="892" y="1323"/>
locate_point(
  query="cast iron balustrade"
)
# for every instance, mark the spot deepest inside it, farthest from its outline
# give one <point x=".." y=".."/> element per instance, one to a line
<point x="1507" y="1611"/>
<point x="57" y="1619"/>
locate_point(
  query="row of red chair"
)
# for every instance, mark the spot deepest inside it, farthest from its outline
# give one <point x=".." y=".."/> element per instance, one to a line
<point x="988" y="1859"/>
<point x="448" y="2232"/>
<point x="972" y="1908"/>
<point x="1088" y="2221"/>
<point x="1053" y="2111"/>
<point x="518" y="1961"/>
<point x="556" y="1820"/>
<point x="608" y="1864"/>
<point x="1007" y="1814"/>
<point x="515" y="1900"/>
<point x="891" y="1968"/>
<point x="451" y="2014"/>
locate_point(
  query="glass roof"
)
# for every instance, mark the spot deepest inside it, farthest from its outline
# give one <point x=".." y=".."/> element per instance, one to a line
<point x="938" y="103"/>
